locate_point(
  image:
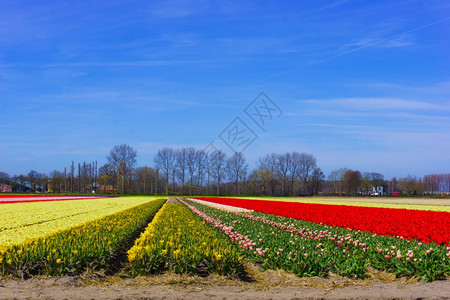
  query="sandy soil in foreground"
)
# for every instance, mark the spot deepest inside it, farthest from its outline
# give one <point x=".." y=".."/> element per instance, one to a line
<point x="41" y="290"/>
<point x="265" y="285"/>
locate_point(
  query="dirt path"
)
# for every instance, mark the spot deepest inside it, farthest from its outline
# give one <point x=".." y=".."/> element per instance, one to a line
<point x="64" y="289"/>
<point x="265" y="285"/>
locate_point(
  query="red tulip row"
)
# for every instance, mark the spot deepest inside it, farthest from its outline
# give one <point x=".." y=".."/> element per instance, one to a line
<point x="311" y="249"/>
<point x="424" y="226"/>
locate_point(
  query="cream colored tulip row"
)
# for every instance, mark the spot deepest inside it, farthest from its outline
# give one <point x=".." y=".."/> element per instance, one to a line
<point x="401" y="203"/>
<point x="22" y="221"/>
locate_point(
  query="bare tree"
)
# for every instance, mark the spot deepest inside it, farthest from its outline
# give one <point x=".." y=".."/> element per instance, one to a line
<point x="337" y="177"/>
<point x="283" y="165"/>
<point x="269" y="162"/>
<point x="307" y="164"/>
<point x="84" y="173"/>
<point x="79" y="177"/>
<point x="156" y="179"/>
<point x="218" y="161"/>
<point x="366" y="186"/>
<point x="32" y="177"/>
<point x="294" y="168"/>
<point x="352" y="181"/>
<point x="121" y="173"/>
<point x="192" y="158"/>
<point x="244" y="181"/>
<point x="259" y="180"/>
<point x="123" y="159"/>
<point x="72" y="177"/>
<point x="4" y="177"/>
<point x="315" y="181"/>
<point x="181" y="165"/>
<point x="144" y="179"/>
<point x="446" y="183"/>
<point x="203" y="166"/>
<point x="42" y="181"/>
<point x="164" y="161"/>
<point x="432" y="183"/>
<point x="236" y="166"/>
<point x="22" y="179"/>
<point x="56" y="182"/>
<point x="106" y="174"/>
<point x="95" y="175"/>
<point x="65" y="180"/>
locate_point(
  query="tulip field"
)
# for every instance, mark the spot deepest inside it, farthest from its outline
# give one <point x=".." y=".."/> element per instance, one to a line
<point x="204" y="235"/>
<point x="315" y="249"/>
<point x="178" y="240"/>
<point x="27" y="220"/>
<point x="68" y="237"/>
<point x="406" y="223"/>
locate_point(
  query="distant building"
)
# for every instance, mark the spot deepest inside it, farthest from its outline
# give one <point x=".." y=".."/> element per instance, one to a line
<point x="93" y="188"/>
<point x="377" y="190"/>
<point x="5" y="188"/>
<point x="106" y="188"/>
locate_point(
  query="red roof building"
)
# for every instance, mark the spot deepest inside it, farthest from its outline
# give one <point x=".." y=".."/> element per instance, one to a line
<point x="5" y="188"/>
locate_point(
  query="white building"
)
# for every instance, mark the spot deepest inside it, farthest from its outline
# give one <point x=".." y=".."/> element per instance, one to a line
<point x="377" y="190"/>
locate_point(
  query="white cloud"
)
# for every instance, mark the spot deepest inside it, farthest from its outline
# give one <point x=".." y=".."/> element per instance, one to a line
<point x="361" y="103"/>
<point x="394" y="42"/>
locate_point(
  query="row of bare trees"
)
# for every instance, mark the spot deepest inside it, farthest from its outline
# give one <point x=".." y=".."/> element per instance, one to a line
<point x="348" y="181"/>
<point x="433" y="183"/>
<point x="291" y="173"/>
<point x="191" y="171"/>
<point x="430" y="184"/>
<point x="188" y="170"/>
<point x="71" y="180"/>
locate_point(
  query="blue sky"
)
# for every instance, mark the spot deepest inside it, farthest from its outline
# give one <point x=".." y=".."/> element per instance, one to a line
<point x="362" y="84"/>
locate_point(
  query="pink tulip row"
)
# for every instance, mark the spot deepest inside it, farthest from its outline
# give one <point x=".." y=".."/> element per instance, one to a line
<point x="312" y="235"/>
<point x="243" y="241"/>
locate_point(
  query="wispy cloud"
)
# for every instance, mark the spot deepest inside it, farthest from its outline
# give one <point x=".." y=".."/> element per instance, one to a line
<point x="175" y="9"/>
<point x="332" y="5"/>
<point x="171" y="12"/>
<point x="388" y="41"/>
<point x="400" y="41"/>
<point x="361" y="103"/>
<point x="103" y="64"/>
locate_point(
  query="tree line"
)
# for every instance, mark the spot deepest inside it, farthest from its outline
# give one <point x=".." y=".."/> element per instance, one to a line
<point x="352" y="182"/>
<point x="191" y="171"/>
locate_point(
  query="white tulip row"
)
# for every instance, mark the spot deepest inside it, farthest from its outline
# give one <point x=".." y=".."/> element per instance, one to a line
<point x="221" y="206"/>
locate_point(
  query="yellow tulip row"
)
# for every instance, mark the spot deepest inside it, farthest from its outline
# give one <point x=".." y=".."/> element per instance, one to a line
<point x="90" y="245"/>
<point x="23" y="221"/>
<point x="178" y="240"/>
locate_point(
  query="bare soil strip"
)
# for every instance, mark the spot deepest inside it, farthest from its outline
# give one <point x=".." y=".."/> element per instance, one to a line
<point x="172" y="200"/>
<point x="266" y="285"/>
